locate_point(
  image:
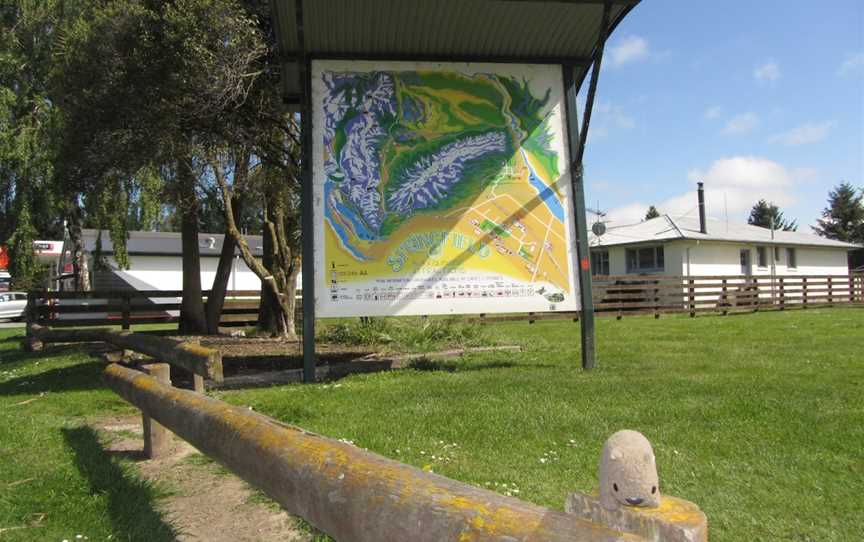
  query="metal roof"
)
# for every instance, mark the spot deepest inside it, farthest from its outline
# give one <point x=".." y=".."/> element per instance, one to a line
<point x="530" y="31"/>
<point x="666" y="228"/>
<point x="160" y="243"/>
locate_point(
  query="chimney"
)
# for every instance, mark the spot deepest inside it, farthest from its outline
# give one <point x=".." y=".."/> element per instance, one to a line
<point x="701" y="193"/>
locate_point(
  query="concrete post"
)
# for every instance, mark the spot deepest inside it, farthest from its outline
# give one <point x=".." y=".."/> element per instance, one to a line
<point x="157" y="439"/>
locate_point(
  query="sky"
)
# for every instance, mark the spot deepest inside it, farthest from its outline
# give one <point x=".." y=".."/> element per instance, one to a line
<point x="757" y="99"/>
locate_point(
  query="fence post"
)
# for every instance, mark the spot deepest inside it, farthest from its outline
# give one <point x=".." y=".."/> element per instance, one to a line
<point x="692" y="298"/>
<point x="804" y="290"/>
<point x="29" y="312"/>
<point x="782" y="295"/>
<point x="656" y="303"/>
<point x="157" y="439"/>
<point x="830" y="292"/>
<point x="851" y="288"/>
<point x="127" y="308"/>
<point x="725" y="298"/>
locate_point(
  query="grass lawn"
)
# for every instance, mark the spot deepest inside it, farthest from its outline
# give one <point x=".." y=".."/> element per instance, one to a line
<point x="757" y="418"/>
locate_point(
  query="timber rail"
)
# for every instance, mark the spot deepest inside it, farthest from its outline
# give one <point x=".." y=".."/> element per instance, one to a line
<point x="347" y="492"/>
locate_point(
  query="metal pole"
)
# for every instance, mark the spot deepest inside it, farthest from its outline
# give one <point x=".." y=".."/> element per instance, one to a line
<point x="577" y="142"/>
<point x="306" y="202"/>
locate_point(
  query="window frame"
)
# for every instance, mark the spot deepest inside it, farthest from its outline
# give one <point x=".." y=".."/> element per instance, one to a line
<point x="658" y="260"/>
<point x="762" y="257"/>
<point x="791" y="258"/>
<point x="599" y="258"/>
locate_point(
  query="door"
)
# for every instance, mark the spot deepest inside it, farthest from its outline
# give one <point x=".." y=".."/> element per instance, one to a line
<point x="745" y="262"/>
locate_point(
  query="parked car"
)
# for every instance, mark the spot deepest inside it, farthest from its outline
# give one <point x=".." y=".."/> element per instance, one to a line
<point x="12" y="305"/>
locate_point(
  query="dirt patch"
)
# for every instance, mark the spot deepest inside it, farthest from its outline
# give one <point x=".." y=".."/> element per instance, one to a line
<point x="206" y="501"/>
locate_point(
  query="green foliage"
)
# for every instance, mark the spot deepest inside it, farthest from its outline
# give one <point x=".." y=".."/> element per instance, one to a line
<point x="413" y="334"/>
<point x="24" y="268"/>
<point x="652" y="213"/>
<point x="762" y="214"/>
<point x="843" y="219"/>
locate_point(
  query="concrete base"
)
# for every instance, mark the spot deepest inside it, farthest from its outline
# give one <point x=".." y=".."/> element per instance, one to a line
<point x="675" y="520"/>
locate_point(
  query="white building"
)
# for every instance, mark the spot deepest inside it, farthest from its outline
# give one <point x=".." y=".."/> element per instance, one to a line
<point x="156" y="262"/>
<point x="677" y="247"/>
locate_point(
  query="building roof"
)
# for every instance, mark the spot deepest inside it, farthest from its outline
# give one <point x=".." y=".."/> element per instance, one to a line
<point x="530" y="31"/>
<point x="666" y="228"/>
<point x="159" y="243"/>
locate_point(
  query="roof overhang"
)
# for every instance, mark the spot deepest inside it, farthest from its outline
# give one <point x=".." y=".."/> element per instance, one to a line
<point x="564" y="32"/>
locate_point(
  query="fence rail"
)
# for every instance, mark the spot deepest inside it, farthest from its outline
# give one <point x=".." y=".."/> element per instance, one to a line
<point x="618" y="295"/>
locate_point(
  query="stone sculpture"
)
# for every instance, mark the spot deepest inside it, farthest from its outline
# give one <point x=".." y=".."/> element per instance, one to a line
<point x="628" y="472"/>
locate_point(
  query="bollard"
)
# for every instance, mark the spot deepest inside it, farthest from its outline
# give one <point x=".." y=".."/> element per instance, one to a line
<point x="157" y="439"/>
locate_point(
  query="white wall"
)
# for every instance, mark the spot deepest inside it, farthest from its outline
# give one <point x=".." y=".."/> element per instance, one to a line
<point x="724" y="259"/>
<point x="166" y="273"/>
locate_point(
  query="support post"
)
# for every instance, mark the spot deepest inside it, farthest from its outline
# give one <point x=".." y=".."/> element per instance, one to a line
<point x="830" y="292"/>
<point x="782" y="294"/>
<point x="157" y="439"/>
<point x="692" y="291"/>
<point x="127" y="309"/>
<point x="576" y="142"/>
<point x="804" y="290"/>
<point x="306" y="203"/>
<point x="725" y="297"/>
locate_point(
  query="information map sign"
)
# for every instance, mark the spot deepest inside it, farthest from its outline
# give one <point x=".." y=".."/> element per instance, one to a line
<point x="441" y="188"/>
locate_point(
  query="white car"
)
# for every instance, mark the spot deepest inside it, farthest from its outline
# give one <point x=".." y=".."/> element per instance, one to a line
<point x="12" y="305"/>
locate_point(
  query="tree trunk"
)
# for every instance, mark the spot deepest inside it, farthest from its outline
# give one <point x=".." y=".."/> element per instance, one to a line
<point x="216" y="299"/>
<point x="268" y="310"/>
<point x="80" y="267"/>
<point x="192" y="318"/>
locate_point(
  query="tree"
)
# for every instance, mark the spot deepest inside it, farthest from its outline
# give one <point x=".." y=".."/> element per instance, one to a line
<point x="765" y="215"/>
<point x="843" y="219"/>
<point x="23" y="266"/>
<point x="652" y="213"/>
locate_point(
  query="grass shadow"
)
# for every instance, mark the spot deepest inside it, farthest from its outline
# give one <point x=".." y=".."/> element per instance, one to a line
<point x="80" y="377"/>
<point x="450" y="366"/>
<point x="130" y="500"/>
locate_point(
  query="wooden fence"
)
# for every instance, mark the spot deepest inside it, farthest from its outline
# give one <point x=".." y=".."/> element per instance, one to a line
<point x="617" y="296"/>
<point x="124" y="308"/>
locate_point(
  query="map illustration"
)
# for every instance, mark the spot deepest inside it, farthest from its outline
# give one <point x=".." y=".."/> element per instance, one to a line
<point x="440" y="190"/>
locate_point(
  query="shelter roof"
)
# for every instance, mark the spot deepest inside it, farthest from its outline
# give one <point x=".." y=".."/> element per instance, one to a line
<point x="530" y="31"/>
<point x="666" y="228"/>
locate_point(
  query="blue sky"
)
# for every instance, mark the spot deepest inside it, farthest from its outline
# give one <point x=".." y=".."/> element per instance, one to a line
<point x="759" y="99"/>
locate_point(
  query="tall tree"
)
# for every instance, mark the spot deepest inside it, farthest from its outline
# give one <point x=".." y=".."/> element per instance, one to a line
<point x="652" y="213"/>
<point x="765" y="215"/>
<point x="843" y="218"/>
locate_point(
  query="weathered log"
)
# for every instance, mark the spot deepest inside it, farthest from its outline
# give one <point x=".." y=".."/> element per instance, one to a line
<point x="49" y="335"/>
<point x="195" y="358"/>
<point x="349" y="493"/>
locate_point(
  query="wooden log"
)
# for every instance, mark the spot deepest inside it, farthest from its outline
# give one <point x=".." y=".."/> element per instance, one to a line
<point x="157" y="439"/>
<point x="347" y="492"/>
<point x="194" y="358"/>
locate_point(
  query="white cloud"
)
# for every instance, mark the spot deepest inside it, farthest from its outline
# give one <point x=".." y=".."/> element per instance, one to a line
<point x="769" y="71"/>
<point x="732" y="184"/>
<point x="607" y="118"/>
<point x="811" y="132"/>
<point x="713" y="112"/>
<point x="853" y="63"/>
<point x="741" y="124"/>
<point x="628" y="49"/>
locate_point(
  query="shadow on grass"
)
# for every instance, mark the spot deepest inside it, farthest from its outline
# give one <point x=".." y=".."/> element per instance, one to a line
<point x="130" y="500"/>
<point x="80" y="377"/>
<point x="427" y="364"/>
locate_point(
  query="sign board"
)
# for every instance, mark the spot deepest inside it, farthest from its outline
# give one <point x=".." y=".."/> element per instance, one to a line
<point x="441" y="188"/>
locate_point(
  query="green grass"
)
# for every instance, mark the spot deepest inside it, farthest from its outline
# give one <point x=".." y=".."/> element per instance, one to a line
<point x="756" y="418"/>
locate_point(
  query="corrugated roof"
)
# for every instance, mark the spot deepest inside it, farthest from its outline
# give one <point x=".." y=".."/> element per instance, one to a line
<point x="166" y="243"/>
<point x="532" y="31"/>
<point x="666" y="228"/>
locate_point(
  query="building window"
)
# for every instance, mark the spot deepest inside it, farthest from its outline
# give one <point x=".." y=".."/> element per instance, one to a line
<point x="645" y="260"/>
<point x="791" y="262"/>
<point x="600" y="262"/>
<point x="762" y="256"/>
<point x="776" y="254"/>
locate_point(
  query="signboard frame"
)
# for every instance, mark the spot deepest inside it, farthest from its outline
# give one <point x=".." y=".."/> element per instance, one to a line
<point x="446" y="295"/>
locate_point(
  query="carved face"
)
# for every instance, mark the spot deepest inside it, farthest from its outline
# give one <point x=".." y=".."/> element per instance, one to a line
<point x="628" y="472"/>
